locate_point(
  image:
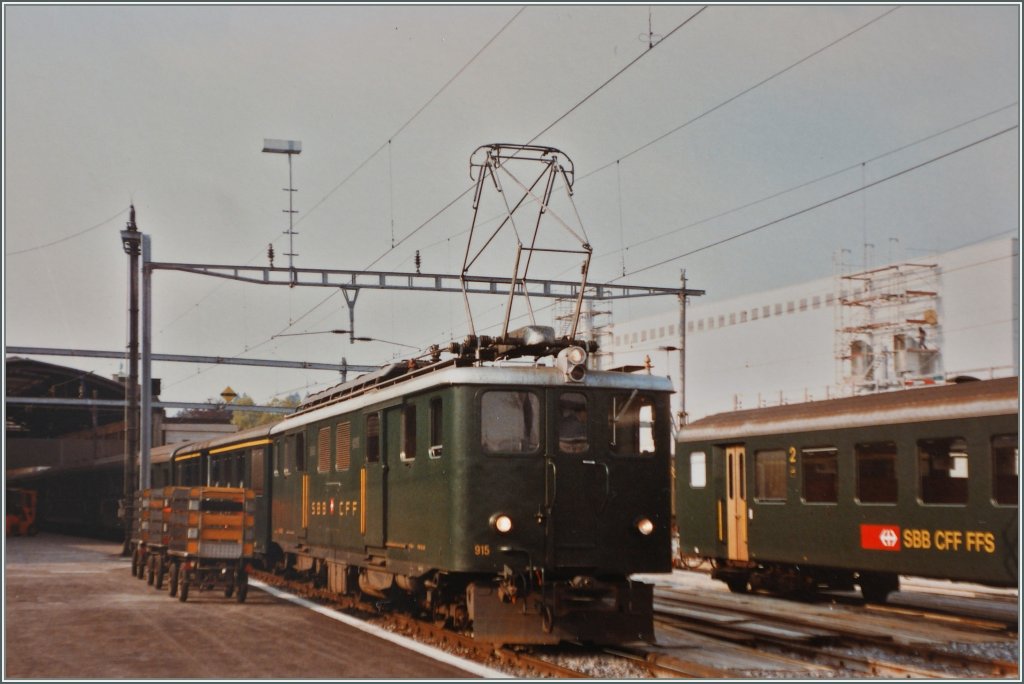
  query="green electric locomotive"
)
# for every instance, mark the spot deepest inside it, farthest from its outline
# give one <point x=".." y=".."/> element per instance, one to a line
<point x="856" y="491"/>
<point x="513" y="499"/>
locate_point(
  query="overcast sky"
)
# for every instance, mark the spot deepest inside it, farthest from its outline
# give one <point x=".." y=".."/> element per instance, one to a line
<point x="168" y="106"/>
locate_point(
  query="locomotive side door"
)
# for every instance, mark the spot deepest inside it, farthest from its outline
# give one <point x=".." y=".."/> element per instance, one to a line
<point x="382" y="430"/>
<point x="736" y="502"/>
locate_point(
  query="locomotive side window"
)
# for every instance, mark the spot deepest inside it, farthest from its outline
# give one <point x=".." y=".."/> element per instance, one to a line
<point x="343" y="446"/>
<point x="631" y="424"/>
<point x="509" y="422"/>
<point x="436" y="428"/>
<point x="876" y="472"/>
<point x="821" y="475"/>
<point x="942" y="469"/>
<point x="323" y="450"/>
<point x="1005" y="469"/>
<point x="698" y="470"/>
<point x="572" y="423"/>
<point x="373" y="438"/>
<point x="770" y="475"/>
<point x="408" y="452"/>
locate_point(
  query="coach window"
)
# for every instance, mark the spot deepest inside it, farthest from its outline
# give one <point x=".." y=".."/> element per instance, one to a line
<point x="373" y="438"/>
<point x="631" y="425"/>
<point x="821" y="474"/>
<point x="876" y="472"/>
<point x="698" y="470"/>
<point x="572" y="423"/>
<point x="942" y="468"/>
<point x="408" y="432"/>
<point x="323" y="450"/>
<point x="1005" y="469"/>
<point x="343" y="446"/>
<point x="509" y="422"/>
<point x="770" y="475"/>
<point x="256" y="469"/>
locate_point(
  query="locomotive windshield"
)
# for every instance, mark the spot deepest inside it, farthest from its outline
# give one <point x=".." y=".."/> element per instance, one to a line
<point x="631" y="424"/>
<point x="510" y="422"/>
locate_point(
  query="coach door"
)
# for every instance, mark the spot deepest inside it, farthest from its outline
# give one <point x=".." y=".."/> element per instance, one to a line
<point x="736" y="502"/>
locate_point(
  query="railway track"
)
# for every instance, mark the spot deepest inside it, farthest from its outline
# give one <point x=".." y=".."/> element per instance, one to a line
<point x="856" y="639"/>
<point x="721" y="635"/>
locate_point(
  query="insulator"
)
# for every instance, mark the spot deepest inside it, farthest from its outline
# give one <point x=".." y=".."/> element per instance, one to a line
<point x="417" y="261"/>
<point x="270" y="254"/>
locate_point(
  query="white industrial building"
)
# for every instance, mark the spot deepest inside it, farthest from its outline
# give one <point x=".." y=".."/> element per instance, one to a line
<point x="894" y="326"/>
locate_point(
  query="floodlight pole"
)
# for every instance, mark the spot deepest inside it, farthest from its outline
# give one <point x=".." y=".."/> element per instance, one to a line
<point x="288" y="148"/>
<point x="131" y="240"/>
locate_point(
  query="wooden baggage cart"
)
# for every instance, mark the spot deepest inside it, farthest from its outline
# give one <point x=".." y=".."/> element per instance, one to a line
<point x="149" y="535"/>
<point x="210" y="542"/>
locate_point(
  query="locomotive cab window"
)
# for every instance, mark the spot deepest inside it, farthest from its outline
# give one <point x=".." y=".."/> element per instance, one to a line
<point x="509" y="422"/>
<point x="631" y="424"/>
<point x="572" y="423"/>
<point x="1005" y="470"/>
<point x="408" y="452"/>
<point x="876" y="472"/>
<point x="436" y="428"/>
<point x="942" y="469"/>
<point x="770" y="475"/>
<point x="821" y="475"/>
<point x="372" y="438"/>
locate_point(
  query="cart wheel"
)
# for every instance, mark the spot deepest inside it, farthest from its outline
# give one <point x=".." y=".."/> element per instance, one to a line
<point x="135" y="562"/>
<point x="229" y="590"/>
<point x="183" y="587"/>
<point x="151" y="569"/>
<point x="159" y="572"/>
<point x="140" y="565"/>
<point x="243" y="586"/>
<point x="172" y="580"/>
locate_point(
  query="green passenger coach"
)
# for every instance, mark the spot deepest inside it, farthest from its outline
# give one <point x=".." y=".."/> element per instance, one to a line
<point x="856" y="491"/>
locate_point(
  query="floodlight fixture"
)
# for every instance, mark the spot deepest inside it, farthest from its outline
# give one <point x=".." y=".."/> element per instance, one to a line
<point x="276" y="146"/>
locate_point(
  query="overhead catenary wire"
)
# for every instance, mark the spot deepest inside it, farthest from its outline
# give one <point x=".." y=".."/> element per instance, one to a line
<point x="823" y="203"/>
<point x="809" y="182"/>
<point x="102" y="223"/>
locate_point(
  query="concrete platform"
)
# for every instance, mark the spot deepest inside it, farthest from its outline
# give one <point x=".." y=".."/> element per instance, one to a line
<point x="73" y="611"/>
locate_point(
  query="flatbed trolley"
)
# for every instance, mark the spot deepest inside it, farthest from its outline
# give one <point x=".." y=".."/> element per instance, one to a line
<point x="150" y="535"/>
<point x="212" y="530"/>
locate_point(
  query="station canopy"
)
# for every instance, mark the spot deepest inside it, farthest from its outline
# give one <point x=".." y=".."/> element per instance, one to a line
<point x="27" y="378"/>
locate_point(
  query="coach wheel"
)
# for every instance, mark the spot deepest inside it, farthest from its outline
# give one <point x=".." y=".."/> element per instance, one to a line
<point x="876" y="588"/>
<point x="172" y="580"/>
<point x="738" y="585"/>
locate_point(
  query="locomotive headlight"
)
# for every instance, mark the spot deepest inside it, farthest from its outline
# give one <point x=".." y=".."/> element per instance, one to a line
<point x="645" y="526"/>
<point x="573" y="362"/>
<point x="501" y="523"/>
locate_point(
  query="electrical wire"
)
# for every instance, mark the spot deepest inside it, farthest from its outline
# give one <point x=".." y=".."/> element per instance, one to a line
<point x="822" y="203"/>
<point x="68" y="237"/>
<point x="807" y="183"/>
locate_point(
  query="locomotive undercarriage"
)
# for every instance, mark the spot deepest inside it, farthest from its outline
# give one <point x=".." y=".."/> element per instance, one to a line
<point x="512" y="608"/>
<point x="797" y="580"/>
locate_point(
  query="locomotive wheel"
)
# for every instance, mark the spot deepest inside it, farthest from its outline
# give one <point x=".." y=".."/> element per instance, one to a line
<point x="172" y="580"/>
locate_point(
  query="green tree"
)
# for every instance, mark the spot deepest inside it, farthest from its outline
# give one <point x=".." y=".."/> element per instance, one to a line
<point x="250" y="419"/>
